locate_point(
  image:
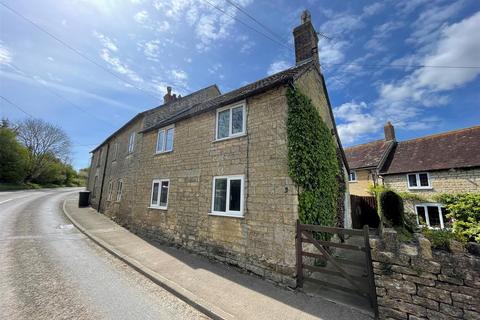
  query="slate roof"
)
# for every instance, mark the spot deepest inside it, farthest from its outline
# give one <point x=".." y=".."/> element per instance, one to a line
<point x="251" y="89"/>
<point x="368" y="155"/>
<point x="453" y="149"/>
<point x="164" y="110"/>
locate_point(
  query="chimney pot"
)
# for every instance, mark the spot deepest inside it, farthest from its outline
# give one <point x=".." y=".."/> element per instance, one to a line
<point x="389" y="131"/>
<point x="168" y="97"/>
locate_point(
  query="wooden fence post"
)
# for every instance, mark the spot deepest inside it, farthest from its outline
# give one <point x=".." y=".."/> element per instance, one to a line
<point x="298" y="249"/>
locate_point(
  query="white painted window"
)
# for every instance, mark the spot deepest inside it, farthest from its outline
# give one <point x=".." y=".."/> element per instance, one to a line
<point x="119" y="190"/>
<point x="110" y="191"/>
<point x="231" y="121"/>
<point x="159" y="197"/>
<point x="419" y="180"/>
<point x="432" y="215"/>
<point x="131" y="142"/>
<point x="115" y="151"/>
<point x="227" y="196"/>
<point x="165" y="139"/>
<point x="352" y="176"/>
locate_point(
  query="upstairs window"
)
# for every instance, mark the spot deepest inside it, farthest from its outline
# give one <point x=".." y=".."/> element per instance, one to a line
<point x="110" y="191"/>
<point x="115" y="151"/>
<point x="230" y="121"/>
<point x="159" y="197"/>
<point x="352" y="176"/>
<point x="99" y="159"/>
<point x="165" y="139"/>
<point x="227" y="196"/>
<point x="119" y="190"/>
<point x="131" y="142"/>
<point x="418" y="180"/>
<point x="432" y="215"/>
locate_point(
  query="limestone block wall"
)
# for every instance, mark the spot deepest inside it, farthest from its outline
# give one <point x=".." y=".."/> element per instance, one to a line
<point x="415" y="282"/>
<point x="263" y="241"/>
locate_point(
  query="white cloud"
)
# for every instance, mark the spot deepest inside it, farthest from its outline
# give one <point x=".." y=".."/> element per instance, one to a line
<point x="119" y="66"/>
<point x="459" y="44"/>
<point x="278" y="66"/>
<point x="372" y="9"/>
<point x="179" y="75"/>
<point x="141" y="16"/>
<point x="214" y="69"/>
<point x="5" y="55"/>
<point x="151" y="49"/>
<point x="106" y="41"/>
<point x="331" y="52"/>
<point x="357" y="122"/>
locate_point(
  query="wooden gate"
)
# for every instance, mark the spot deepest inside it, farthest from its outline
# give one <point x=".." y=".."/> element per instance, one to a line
<point x="305" y="234"/>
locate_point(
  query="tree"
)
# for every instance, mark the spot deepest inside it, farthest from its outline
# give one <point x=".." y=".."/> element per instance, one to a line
<point x="45" y="143"/>
<point x="13" y="157"/>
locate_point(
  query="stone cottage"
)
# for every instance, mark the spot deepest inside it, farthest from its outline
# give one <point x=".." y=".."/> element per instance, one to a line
<point x="209" y="171"/>
<point x="422" y="168"/>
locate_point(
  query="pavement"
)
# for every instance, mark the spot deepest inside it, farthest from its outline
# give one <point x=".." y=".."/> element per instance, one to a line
<point x="50" y="270"/>
<point x="217" y="290"/>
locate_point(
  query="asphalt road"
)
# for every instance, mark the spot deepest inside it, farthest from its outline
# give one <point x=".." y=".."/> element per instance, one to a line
<point x="49" y="270"/>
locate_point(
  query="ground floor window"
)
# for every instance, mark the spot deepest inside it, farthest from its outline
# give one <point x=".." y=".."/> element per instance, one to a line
<point x="110" y="191"/>
<point x="432" y="215"/>
<point x="119" y="190"/>
<point x="227" y="196"/>
<point x="159" y="198"/>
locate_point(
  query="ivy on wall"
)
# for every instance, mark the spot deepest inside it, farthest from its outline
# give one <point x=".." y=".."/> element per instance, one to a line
<point x="312" y="161"/>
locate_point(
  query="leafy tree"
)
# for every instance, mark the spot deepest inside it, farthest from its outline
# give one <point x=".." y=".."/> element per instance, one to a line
<point x="47" y="145"/>
<point x="13" y="157"/>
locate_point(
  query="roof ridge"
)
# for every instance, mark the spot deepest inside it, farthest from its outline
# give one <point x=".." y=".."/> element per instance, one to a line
<point x="435" y="135"/>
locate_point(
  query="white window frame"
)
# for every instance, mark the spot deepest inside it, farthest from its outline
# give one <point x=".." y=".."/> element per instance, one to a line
<point x="115" y="151"/>
<point x="131" y="142"/>
<point x="118" y="196"/>
<point x="110" y="190"/>
<point x="427" y="218"/>
<point x="164" y="130"/>
<point x="244" y="125"/>
<point x="228" y="213"/>
<point x="417" y="176"/>
<point x="157" y="205"/>
<point x="350" y="175"/>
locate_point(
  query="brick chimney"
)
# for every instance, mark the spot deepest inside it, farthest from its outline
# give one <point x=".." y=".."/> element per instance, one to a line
<point x="169" y="97"/>
<point x="306" y="40"/>
<point x="389" y="132"/>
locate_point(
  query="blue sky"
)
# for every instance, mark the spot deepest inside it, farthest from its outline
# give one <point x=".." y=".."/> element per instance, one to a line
<point x="189" y="44"/>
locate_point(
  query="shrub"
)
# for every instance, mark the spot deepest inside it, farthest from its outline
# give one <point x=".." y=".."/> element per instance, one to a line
<point x="391" y="205"/>
<point x="312" y="161"/>
<point x="439" y="239"/>
<point x="464" y="210"/>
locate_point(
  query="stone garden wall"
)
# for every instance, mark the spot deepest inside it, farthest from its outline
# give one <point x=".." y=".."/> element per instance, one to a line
<point x="415" y="282"/>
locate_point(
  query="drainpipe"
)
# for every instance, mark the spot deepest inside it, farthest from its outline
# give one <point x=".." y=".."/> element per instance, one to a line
<point x="103" y="178"/>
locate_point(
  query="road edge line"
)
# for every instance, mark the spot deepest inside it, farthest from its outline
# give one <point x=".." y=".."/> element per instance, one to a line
<point x="166" y="284"/>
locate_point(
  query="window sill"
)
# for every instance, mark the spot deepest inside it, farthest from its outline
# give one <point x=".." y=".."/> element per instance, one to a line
<point x="353" y="181"/>
<point x="158" y="208"/>
<point x="163" y="152"/>
<point x="230" y="137"/>
<point x="420" y="188"/>
<point x="224" y="214"/>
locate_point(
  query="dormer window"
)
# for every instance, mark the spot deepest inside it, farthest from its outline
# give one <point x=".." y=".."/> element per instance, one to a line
<point x="419" y="181"/>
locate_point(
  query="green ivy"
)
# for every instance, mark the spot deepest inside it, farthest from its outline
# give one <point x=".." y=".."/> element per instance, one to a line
<point x="312" y="161"/>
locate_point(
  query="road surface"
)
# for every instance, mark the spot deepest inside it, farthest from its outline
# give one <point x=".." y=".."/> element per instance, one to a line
<point x="49" y="270"/>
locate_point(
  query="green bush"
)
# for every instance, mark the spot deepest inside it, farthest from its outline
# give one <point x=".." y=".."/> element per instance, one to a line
<point x="312" y="161"/>
<point x="464" y="211"/>
<point x="439" y="239"/>
<point x="13" y="157"/>
<point x="391" y="205"/>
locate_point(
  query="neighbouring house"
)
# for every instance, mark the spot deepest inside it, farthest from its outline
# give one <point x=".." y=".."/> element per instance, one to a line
<point x="366" y="160"/>
<point x="421" y="169"/>
<point x="209" y="171"/>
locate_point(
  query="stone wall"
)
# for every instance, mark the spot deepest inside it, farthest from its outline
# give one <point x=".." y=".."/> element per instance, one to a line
<point x="442" y="181"/>
<point x="414" y="282"/>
